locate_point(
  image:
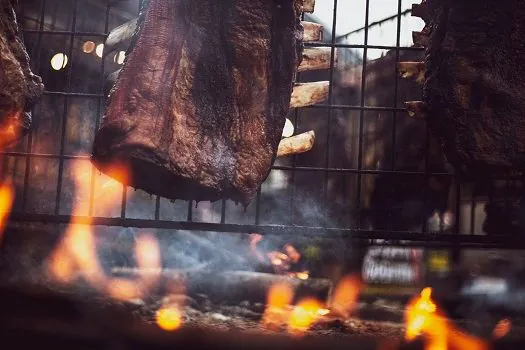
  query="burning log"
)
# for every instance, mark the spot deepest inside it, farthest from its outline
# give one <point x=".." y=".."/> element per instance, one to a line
<point x="233" y="286"/>
<point x="296" y="144"/>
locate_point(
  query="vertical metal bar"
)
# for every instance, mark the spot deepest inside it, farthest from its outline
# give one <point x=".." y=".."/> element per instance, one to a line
<point x="258" y="207"/>
<point x="473" y="204"/>
<point x="223" y="211"/>
<point x="362" y="117"/>
<point x="396" y="84"/>
<point x="25" y="191"/>
<point x="294" y="157"/>
<point x="65" y="110"/>
<point x="190" y="210"/>
<point x="99" y="111"/>
<point x="157" y="208"/>
<point x="330" y="103"/>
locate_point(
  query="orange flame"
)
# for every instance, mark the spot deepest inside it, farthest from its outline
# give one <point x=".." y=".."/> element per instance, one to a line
<point x="304" y="315"/>
<point x="346" y="295"/>
<point x="280" y="296"/>
<point x="7" y="196"/>
<point x="422" y="317"/>
<point x="8" y="131"/>
<point x="76" y="256"/>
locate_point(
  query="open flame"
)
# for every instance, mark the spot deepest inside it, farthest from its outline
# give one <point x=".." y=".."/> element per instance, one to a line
<point x="169" y="317"/>
<point x="7" y="196"/>
<point x="304" y="315"/>
<point x="346" y="295"/>
<point x="76" y="256"/>
<point x="423" y="318"/>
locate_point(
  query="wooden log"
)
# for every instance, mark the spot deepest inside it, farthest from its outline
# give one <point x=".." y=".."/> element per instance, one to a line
<point x="235" y="286"/>
<point x="412" y="70"/>
<point x="307" y="94"/>
<point x="317" y="58"/>
<point x="296" y="144"/>
<point x="312" y="31"/>
<point x="308" y="6"/>
<point x="120" y="37"/>
<point x="416" y="109"/>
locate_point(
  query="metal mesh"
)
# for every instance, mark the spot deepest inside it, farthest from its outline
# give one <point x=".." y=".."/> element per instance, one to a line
<point x="334" y="194"/>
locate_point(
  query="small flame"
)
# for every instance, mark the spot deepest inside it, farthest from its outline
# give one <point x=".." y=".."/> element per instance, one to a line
<point x="169" y="318"/>
<point x="7" y="196"/>
<point x="304" y="275"/>
<point x="423" y="318"/>
<point x="304" y="315"/>
<point x="346" y="295"/>
<point x="502" y="329"/>
<point x="280" y="296"/>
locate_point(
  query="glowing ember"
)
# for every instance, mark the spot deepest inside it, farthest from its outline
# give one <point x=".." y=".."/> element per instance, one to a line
<point x="8" y="131"/>
<point x="302" y="275"/>
<point x="169" y="318"/>
<point x="7" y="196"/>
<point x="346" y="294"/>
<point x="502" y="329"/>
<point x="304" y="315"/>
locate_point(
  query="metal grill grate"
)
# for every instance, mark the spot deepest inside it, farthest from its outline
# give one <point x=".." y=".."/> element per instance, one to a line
<point x="70" y="103"/>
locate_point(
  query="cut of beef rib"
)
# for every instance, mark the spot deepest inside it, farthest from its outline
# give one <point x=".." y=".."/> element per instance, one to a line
<point x="20" y="89"/>
<point x="198" y="109"/>
<point x="474" y="85"/>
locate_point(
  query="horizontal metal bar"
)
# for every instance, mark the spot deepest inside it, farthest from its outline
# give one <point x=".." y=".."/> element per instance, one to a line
<point x="276" y="167"/>
<point x="373" y="24"/>
<point x="73" y="94"/>
<point x="440" y="239"/>
<point x="359" y="108"/>
<point x="64" y="32"/>
<point x="362" y="46"/>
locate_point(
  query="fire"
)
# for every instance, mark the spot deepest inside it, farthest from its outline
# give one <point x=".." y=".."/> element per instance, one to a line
<point x="169" y="318"/>
<point x="422" y="317"/>
<point x="76" y="256"/>
<point x="502" y="329"/>
<point x="8" y="131"/>
<point x="7" y="196"/>
<point x="280" y="296"/>
<point x="282" y="261"/>
<point x="304" y="315"/>
<point x="346" y="295"/>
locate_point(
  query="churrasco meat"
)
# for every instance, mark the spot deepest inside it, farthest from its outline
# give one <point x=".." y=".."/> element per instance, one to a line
<point x="198" y="110"/>
<point x="20" y="89"/>
<point x="474" y="91"/>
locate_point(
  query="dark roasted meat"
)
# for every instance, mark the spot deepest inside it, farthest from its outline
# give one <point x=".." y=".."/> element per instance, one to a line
<point x="198" y="110"/>
<point x="20" y="89"/>
<point x="474" y="90"/>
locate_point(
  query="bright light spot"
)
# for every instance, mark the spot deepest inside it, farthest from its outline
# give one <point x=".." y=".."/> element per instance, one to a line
<point x="88" y="47"/>
<point x="288" y="128"/>
<point x="120" y="57"/>
<point x="59" y="61"/>
<point x="304" y="314"/>
<point x="169" y="318"/>
<point x="100" y="50"/>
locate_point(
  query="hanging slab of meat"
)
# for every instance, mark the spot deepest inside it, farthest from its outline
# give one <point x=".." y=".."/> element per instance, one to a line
<point x="474" y="81"/>
<point x="20" y="89"/>
<point x="197" y="111"/>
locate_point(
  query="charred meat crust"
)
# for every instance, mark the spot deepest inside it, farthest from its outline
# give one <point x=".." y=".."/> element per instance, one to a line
<point x="20" y="89"/>
<point x="475" y="83"/>
<point x="198" y="109"/>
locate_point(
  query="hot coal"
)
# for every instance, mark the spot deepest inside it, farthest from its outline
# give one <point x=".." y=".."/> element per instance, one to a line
<point x="198" y="110"/>
<point x="20" y="89"/>
<point x="474" y="83"/>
